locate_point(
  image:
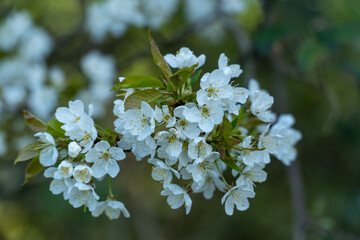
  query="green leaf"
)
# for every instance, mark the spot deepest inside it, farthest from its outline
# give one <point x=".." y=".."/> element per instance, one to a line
<point x="134" y="100"/>
<point x="32" y="170"/>
<point x="234" y="122"/>
<point x="28" y="152"/>
<point x="138" y="82"/>
<point x="231" y="163"/>
<point x="195" y="77"/>
<point x="181" y="76"/>
<point x="158" y="58"/>
<point x="33" y="122"/>
<point x="186" y="71"/>
<point x="54" y="128"/>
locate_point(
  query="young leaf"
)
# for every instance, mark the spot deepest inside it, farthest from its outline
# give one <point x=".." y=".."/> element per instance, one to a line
<point x="138" y="82"/>
<point x="187" y="71"/>
<point x="28" y="152"/>
<point x="234" y="122"/>
<point x="33" y="122"/>
<point x="32" y="170"/>
<point x="54" y="128"/>
<point x="158" y="57"/>
<point x="231" y="163"/>
<point x="182" y="75"/>
<point x="134" y="100"/>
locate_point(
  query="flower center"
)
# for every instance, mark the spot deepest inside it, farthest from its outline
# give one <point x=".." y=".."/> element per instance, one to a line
<point x="172" y="138"/>
<point x="106" y="155"/>
<point x="205" y="112"/>
<point x="64" y="170"/>
<point x="183" y="122"/>
<point x="86" y="137"/>
<point x="211" y="91"/>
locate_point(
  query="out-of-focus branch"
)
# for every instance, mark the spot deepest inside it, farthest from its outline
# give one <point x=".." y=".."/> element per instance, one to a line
<point x="294" y="171"/>
<point x="298" y="203"/>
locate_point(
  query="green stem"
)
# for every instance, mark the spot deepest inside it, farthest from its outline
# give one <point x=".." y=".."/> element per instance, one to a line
<point x="222" y="176"/>
<point x="245" y="115"/>
<point x="100" y="128"/>
<point x="110" y="190"/>
<point x="189" y="184"/>
<point x="238" y="136"/>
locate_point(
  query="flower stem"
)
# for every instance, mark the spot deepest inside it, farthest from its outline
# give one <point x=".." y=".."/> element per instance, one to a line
<point x="110" y="190"/>
<point x="222" y="176"/>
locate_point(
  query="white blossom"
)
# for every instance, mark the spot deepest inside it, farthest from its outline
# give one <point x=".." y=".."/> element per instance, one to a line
<point x="184" y="59"/>
<point x="281" y="139"/>
<point x="83" y="194"/>
<point x="199" y="169"/>
<point x="251" y="157"/>
<point x="177" y="197"/>
<point x="214" y="86"/>
<point x="71" y="115"/>
<point x="233" y="70"/>
<point x="162" y="172"/>
<point x="250" y="175"/>
<point x="237" y="197"/>
<point x="60" y="183"/>
<point x="261" y="102"/>
<point x="74" y="149"/>
<point x="211" y="183"/>
<point x="140" y="122"/>
<point x="171" y="141"/>
<point x="206" y="115"/>
<point x="112" y="209"/>
<point x="84" y="132"/>
<point x="198" y="148"/>
<point x="186" y="129"/>
<point x="141" y="148"/>
<point x="163" y="115"/>
<point x="49" y="154"/>
<point x="82" y="173"/>
<point x="104" y="158"/>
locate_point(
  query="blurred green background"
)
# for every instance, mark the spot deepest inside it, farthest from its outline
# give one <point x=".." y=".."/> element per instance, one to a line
<point x="305" y="53"/>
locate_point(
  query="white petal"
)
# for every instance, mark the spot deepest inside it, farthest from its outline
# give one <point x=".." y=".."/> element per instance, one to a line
<point x="98" y="169"/>
<point x="201" y="60"/>
<point x="48" y="156"/>
<point x="92" y="155"/>
<point x="64" y="115"/>
<point x="229" y="206"/>
<point x="223" y="61"/>
<point x="206" y="125"/>
<point x="117" y="153"/>
<point x="192" y="114"/>
<point x="102" y="146"/>
<point x="112" y="168"/>
<point x="171" y="60"/>
<point x="77" y="107"/>
<point x="57" y="186"/>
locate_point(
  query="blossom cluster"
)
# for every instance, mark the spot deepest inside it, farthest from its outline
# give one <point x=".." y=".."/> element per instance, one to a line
<point x="184" y="143"/>
<point x="25" y="78"/>
<point x="27" y="81"/>
<point x="194" y="140"/>
<point x="26" y="47"/>
<point x="114" y="17"/>
<point x="75" y="162"/>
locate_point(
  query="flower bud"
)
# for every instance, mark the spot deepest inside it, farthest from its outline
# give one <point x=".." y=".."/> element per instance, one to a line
<point x="74" y="149"/>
